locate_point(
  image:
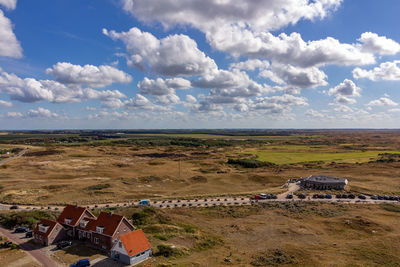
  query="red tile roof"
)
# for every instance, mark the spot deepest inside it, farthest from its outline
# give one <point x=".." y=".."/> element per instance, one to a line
<point x="72" y="212"/>
<point x="109" y="221"/>
<point x="45" y="222"/>
<point x="135" y="242"/>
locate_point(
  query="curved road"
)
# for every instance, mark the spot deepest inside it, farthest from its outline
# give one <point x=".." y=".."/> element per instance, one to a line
<point x="40" y="256"/>
<point x="20" y="154"/>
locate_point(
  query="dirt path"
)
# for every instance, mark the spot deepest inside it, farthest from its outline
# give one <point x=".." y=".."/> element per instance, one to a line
<point x="20" y="154"/>
<point x="40" y="256"/>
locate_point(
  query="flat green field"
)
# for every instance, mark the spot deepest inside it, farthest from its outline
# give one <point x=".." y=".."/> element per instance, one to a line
<point x="287" y="157"/>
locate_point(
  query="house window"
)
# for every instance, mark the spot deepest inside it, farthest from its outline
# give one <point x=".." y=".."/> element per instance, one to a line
<point x="96" y="240"/>
<point x="83" y="234"/>
<point x="88" y="235"/>
<point x="120" y="244"/>
<point x="118" y="232"/>
<point x="125" y="229"/>
<point x="100" y="229"/>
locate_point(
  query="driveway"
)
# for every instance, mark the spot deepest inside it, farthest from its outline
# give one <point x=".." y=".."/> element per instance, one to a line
<point x="23" y="243"/>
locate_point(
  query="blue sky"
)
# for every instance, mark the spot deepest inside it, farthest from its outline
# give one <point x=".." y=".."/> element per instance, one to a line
<point x="199" y="64"/>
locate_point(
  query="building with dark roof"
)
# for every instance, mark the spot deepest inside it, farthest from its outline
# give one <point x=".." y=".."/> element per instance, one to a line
<point x="131" y="248"/>
<point x="323" y="182"/>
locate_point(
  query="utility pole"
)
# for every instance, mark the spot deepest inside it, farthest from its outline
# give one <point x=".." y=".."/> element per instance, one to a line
<point x="179" y="167"/>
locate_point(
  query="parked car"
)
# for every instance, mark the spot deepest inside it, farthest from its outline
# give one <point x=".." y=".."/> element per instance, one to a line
<point x="81" y="263"/>
<point x="14" y="207"/>
<point x="380" y="197"/>
<point x="339" y="196"/>
<point x="6" y="244"/>
<point x="273" y="196"/>
<point x="351" y="196"/>
<point x="144" y="202"/>
<point x="328" y="196"/>
<point x="374" y="197"/>
<point x="302" y="196"/>
<point x="261" y="196"/>
<point x="345" y="196"/>
<point x="321" y="196"/>
<point x="362" y="197"/>
<point x="289" y="196"/>
<point x="21" y="229"/>
<point x="315" y="196"/>
<point x="64" y="244"/>
<point x="29" y="234"/>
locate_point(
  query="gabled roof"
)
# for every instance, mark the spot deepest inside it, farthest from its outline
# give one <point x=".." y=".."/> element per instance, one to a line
<point x="109" y="221"/>
<point x="74" y="213"/>
<point x="45" y="222"/>
<point x="135" y="242"/>
<point x="88" y="225"/>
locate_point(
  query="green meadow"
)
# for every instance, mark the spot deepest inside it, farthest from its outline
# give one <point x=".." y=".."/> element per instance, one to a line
<point x="291" y="154"/>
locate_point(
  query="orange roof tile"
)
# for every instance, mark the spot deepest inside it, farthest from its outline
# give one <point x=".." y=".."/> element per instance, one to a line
<point x="135" y="242"/>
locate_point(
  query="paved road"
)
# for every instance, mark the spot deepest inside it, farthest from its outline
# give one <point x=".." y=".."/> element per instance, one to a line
<point x="210" y="202"/>
<point x="20" y="154"/>
<point x="40" y="256"/>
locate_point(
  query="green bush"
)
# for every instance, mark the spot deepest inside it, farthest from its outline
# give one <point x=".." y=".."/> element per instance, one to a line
<point x="97" y="187"/>
<point x="167" y="251"/>
<point x="251" y="163"/>
<point x="142" y="217"/>
<point x="25" y="218"/>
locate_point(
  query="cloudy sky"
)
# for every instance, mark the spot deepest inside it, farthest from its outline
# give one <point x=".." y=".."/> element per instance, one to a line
<point x="199" y="64"/>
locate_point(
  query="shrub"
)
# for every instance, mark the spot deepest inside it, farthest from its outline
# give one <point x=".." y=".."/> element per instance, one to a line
<point x="251" y="163"/>
<point x="97" y="187"/>
<point x="24" y="218"/>
<point x="167" y="251"/>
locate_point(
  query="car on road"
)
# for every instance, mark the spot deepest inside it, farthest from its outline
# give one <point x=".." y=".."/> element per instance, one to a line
<point x="328" y="196"/>
<point x="260" y="196"/>
<point x="321" y="196"/>
<point x="345" y="196"/>
<point x="315" y="196"/>
<point x="21" y="229"/>
<point x="64" y="244"/>
<point x="29" y="234"/>
<point x="362" y="197"/>
<point x="273" y="196"/>
<point x="374" y="197"/>
<point x="144" y="202"/>
<point x="302" y="196"/>
<point x="339" y="196"/>
<point x="352" y="196"/>
<point x="14" y="207"/>
<point x="289" y="196"/>
<point x="81" y="263"/>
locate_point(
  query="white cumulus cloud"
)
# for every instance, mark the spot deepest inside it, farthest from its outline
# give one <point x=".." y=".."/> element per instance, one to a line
<point x="172" y="56"/>
<point x="388" y="71"/>
<point x="9" y="45"/>
<point x="90" y="75"/>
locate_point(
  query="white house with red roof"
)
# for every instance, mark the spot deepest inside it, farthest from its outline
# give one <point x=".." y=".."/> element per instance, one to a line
<point x="131" y="248"/>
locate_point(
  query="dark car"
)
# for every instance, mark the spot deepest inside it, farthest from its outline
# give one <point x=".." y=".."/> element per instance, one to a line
<point x="386" y="197"/>
<point x="339" y="196"/>
<point x="29" y="234"/>
<point x="351" y="196"/>
<point x="362" y="197"/>
<point x="21" y="229"/>
<point x="289" y="196"/>
<point x="81" y="263"/>
<point x="344" y="196"/>
<point x="321" y="196"/>
<point x="380" y="197"/>
<point x="315" y="196"/>
<point x="14" y="207"/>
<point x="64" y="244"/>
<point x="302" y="196"/>
<point x="374" y="197"/>
<point x="273" y="196"/>
<point x="328" y="196"/>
